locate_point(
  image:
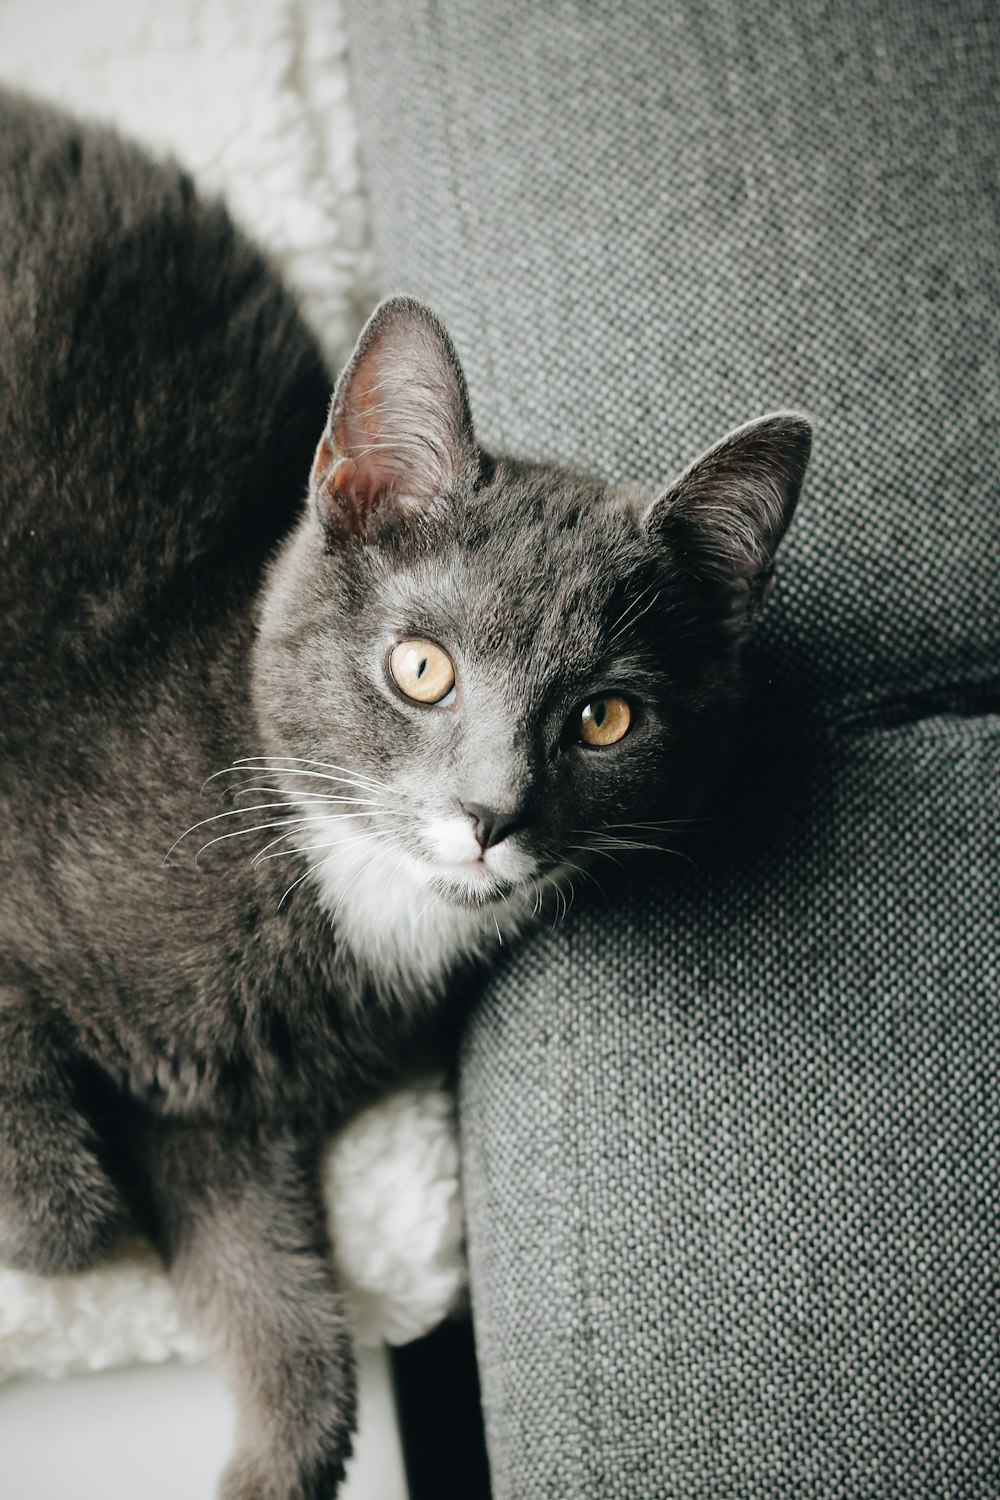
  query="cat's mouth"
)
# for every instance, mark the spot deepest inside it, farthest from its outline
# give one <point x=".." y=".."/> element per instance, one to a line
<point x="449" y="861"/>
<point x="469" y="884"/>
<point x="469" y="895"/>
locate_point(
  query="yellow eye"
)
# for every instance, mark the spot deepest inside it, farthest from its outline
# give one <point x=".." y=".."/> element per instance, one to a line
<point x="422" y="671"/>
<point x="605" y="721"/>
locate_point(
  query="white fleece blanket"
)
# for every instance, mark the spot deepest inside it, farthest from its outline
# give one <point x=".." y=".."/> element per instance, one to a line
<point x="252" y="96"/>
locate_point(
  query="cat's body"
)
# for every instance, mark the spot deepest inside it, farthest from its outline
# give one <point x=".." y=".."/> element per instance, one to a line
<point x="132" y="550"/>
<point x="175" y="1037"/>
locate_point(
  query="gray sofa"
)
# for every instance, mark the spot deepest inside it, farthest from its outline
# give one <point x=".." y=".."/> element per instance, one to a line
<point x="731" y="1139"/>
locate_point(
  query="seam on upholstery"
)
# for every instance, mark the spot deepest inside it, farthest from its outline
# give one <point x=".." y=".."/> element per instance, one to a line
<point x="959" y="701"/>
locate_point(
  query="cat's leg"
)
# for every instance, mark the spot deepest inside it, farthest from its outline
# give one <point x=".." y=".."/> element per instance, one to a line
<point x="241" y="1228"/>
<point x="59" y="1209"/>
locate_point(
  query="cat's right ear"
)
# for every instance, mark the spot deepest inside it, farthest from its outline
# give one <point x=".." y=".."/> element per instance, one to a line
<point x="399" y="434"/>
<point x="724" y="517"/>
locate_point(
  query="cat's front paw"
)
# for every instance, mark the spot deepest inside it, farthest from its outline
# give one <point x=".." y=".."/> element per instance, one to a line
<point x="256" y="1476"/>
<point x="56" y="1228"/>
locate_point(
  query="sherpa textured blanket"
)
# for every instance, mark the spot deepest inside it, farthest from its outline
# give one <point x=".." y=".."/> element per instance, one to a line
<point x="252" y="97"/>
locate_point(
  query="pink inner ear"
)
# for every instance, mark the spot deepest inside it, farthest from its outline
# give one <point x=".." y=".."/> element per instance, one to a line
<point x="363" y="423"/>
<point x="343" y="489"/>
<point x="354" y="422"/>
<point x="399" y="429"/>
<point x="322" y="463"/>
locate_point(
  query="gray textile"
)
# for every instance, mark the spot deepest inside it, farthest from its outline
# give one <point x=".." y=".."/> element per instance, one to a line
<point x="731" y="1144"/>
<point x="730" y="1167"/>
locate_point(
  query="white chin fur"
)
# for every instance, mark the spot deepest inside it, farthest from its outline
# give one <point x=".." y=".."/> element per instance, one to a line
<point x="456" y="856"/>
<point x="386" y="908"/>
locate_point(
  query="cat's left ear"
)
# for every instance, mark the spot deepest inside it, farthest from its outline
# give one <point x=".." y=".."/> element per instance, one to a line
<point x="724" y="517"/>
<point x="399" y="433"/>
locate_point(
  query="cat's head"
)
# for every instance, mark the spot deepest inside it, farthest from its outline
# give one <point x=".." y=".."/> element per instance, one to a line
<point x="516" y="669"/>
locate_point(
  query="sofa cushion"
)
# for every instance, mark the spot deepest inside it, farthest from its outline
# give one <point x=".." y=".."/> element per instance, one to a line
<point x="731" y="1154"/>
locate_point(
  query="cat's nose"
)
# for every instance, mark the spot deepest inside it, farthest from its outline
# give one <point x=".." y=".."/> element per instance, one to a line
<point x="491" y="825"/>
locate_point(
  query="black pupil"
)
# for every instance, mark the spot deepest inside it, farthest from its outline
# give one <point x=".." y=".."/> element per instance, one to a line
<point x="599" y="713"/>
<point x="422" y="667"/>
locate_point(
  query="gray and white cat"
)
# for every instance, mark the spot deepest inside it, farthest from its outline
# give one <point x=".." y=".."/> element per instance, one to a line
<point x="437" y="690"/>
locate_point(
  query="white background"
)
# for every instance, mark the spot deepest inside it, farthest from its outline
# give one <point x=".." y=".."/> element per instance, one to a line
<point x="161" y="1433"/>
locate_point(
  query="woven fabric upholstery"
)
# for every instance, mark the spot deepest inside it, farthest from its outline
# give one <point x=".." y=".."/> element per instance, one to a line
<point x="645" y="223"/>
<point x="731" y="1168"/>
<point x="731" y="1142"/>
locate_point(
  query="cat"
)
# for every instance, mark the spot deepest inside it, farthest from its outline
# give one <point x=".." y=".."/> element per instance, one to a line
<point x="434" y="683"/>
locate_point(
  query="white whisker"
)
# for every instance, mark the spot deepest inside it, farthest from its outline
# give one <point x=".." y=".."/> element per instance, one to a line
<point x="360" y="838"/>
<point x="425" y="908"/>
<point x="323" y="765"/>
<point x="291" y="765"/>
<point x="233" y="812"/>
<point x="587" y="874"/>
<point x="331" y="797"/>
<point x="312" y="868"/>
<point x="561" y="900"/>
<point x="297" y="771"/>
<point x="619" y="843"/>
<point x="669" y="823"/>
<point x="602" y="842"/>
<point x="354" y="877"/>
<point x="292" y="824"/>
<point x="624" y="623"/>
<point x="292" y="832"/>
<point x="592" y="849"/>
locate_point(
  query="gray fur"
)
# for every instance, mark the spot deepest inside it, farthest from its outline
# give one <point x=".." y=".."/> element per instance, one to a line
<point x="177" y="1035"/>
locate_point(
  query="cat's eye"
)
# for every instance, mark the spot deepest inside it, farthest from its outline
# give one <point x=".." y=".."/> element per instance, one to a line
<point x="423" y="671"/>
<point x="604" y="721"/>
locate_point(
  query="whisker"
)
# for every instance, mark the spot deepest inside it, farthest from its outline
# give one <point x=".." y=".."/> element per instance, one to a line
<point x="587" y="874"/>
<point x="624" y="624"/>
<point x="592" y="849"/>
<point x="425" y="908"/>
<point x="361" y="838"/>
<point x="297" y="825"/>
<point x="656" y="823"/>
<point x="630" y="604"/>
<point x="245" y="791"/>
<point x="638" y="845"/>
<point x="290" y="833"/>
<point x="312" y="868"/>
<point x="233" y="812"/>
<point x="293" y="824"/>
<point x="323" y="765"/>
<point x="354" y="877"/>
<point x="245" y="769"/>
<point x="620" y="843"/>
<point x="296" y="771"/>
<point x="558" y="892"/>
